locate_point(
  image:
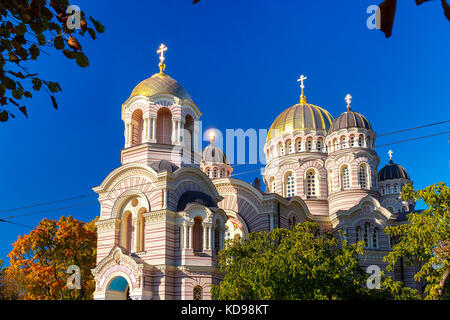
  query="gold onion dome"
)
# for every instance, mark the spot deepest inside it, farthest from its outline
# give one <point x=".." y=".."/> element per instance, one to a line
<point x="302" y="116"/>
<point x="160" y="83"/>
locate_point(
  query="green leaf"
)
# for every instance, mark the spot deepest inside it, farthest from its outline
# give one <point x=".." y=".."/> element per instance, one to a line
<point x="59" y="43"/>
<point x="81" y="59"/>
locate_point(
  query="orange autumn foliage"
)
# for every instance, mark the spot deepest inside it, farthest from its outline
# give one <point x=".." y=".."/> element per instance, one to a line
<point x="40" y="259"/>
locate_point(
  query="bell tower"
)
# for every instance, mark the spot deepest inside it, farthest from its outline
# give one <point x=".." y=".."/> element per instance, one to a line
<point x="161" y="121"/>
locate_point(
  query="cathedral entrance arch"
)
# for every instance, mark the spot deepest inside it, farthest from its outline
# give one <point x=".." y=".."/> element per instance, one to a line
<point x="118" y="289"/>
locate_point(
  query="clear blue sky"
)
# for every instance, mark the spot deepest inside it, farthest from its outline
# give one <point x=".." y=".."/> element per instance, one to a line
<point x="239" y="60"/>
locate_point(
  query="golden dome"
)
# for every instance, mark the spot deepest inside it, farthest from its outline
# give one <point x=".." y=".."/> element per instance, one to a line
<point x="302" y="116"/>
<point x="160" y="83"/>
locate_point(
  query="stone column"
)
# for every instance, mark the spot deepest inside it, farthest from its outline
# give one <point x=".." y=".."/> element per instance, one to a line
<point x="190" y="236"/>
<point x="211" y="238"/>
<point x="153" y="125"/>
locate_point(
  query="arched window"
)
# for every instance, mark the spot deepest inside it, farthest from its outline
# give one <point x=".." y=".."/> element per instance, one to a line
<point x="343" y="143"/>
<point x="319" y="144"/>
<point x="164" y="126"/>
<point x="335" y="144"/>
<point x="391" y="210"/>
<point x="272" y="185"/>
<point x="188" y="135"/>
<point x="299" y="145"/>
<point x="345" y="177"/>
<point x="309" y="143"/>
<point x="361" y="141"/>
<point x="140" y="229"/>
<point x="197" y="234"/>
<point x="126" y="231"/>
<point x="289" y="147"/>
<point x="352" y="141"/>
<point x="363" y="176"/>
<point x="358" y="234"/>
<point x="290" y="185"/>
<point x="281" y="149"/>
<point x="382" y="190"/>
<point x="292" y="221"/>
<point x="311" y="190"/>
<point x="375" y="242"/>
<point x="222" y="173"/>
<point x="215" y="173"/>
<point x="197" y="293"/>
<point x="366" y="235"/>
<point x="388" y="189"/>
<point x="396" y="188"/>
<point x="208" y="172"/>
<point x="137" y="124"/>
<point x="329" y="147"/>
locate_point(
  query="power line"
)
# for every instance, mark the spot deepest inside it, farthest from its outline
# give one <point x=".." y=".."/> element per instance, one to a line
<point x="424" y="137"/>
<point x="19" y="224"/>
<point x="404" y="130"/>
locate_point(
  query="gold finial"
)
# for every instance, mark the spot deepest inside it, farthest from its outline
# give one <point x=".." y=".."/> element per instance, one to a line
<point x="390" y="153"/>
<point x="161" y="50"/>
<point x="212" y="137"/>
<point x="302" y="97"/>
<point x="348" y="99"/>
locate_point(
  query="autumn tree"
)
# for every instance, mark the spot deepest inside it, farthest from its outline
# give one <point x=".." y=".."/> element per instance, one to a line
<point x="29" y="28"/>
<point x="39" y="260"/>
<point x="425" y="239"/>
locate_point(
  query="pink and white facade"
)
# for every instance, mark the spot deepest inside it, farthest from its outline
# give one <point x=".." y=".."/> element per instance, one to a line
<point x="169" y="208"/>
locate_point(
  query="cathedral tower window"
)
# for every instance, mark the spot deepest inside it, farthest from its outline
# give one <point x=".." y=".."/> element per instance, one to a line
<point x="164" y="126"/>
<point x="366" y="234"/>
<point x="343" y="143"/>
<point x="335" y="144"/>
<point x="319" y="144"/>
<point x="311" y="190"/>
<point x="395" y="188"/>
<point x="197" y="234"/>
<point x="352" y="141"/>
<point x="289" y="147"/>
<point x="309" y="143"/>
<point x="215" y="173"/>
<point x="361" y="141"/>
<point x="292" y="222"/>
<point x="188" y="135"/>
<point x="137" y="125"/>
<point x="299" y="145"/>
<point x="198" y="293"/>
<point x="363" y="176"/>
<point x="126" y="231"/>
<point x="388" y="189"/>
<point x="290" y="185"/>
<point x="375" y="242"/>
<point x="358" y="234"/>
<point x="281" y="149"/>
<point x="272" y="185"/>
<point x="345" y="177"/>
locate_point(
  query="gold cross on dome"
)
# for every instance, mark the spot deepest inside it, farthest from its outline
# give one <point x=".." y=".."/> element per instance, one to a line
<point x="302" y="86"/>
<point x="348" y="99"/>
<point x="390" y="153"/>
<point x="161" y="50"/>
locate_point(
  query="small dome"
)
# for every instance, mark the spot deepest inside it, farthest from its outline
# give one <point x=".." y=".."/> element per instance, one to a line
<point x="160" y="83"/>
<point x="213" y="154"/>
<point x="350" y="119"/>
<point x="392" y="171"/>
<point x="301" y="116"/>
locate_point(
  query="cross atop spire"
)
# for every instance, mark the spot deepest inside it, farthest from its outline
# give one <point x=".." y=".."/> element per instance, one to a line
<point x="161" y="50"/>
<point x="348" y="99"/>
<point x="390" y="153"/>
<point x="302" y="85"/>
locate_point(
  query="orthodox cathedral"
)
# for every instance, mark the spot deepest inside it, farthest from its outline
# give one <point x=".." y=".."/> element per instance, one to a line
<point x="168" y="209"/>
